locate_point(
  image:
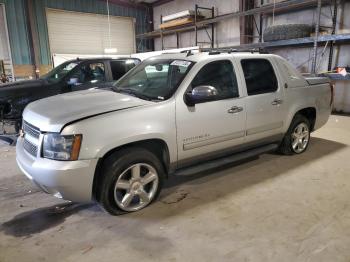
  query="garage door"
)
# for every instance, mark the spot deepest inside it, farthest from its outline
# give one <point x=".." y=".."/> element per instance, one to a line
<point x="83" y="33"/>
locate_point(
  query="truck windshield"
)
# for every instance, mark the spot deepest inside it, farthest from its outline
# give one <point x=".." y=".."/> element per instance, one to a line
<point x="154" y="79"/>
<point x="60" y="71"/>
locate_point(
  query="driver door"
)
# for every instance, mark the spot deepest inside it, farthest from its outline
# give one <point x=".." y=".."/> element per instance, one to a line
<point x="212" y="127"/>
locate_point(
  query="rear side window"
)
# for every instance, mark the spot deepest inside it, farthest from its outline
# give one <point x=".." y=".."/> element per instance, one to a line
<point x="219" y="74"/>
<point x="259" y="76"/>
<point x="120" y="68"/>
<point x="292" y="74"/>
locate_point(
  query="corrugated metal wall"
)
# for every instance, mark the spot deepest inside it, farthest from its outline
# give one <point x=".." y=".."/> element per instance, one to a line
<point x="18" y="31"/>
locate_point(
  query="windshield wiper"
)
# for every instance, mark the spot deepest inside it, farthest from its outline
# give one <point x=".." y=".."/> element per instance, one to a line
<point x="132" y="92"/>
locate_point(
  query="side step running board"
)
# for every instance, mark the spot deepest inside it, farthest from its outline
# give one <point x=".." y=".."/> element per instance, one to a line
<point x="225" y="160"/>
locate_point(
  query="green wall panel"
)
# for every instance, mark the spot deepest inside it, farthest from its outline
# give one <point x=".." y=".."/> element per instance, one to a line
<point x="18" y="31"/>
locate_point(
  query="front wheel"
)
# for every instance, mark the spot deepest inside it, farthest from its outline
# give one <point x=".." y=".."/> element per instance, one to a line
<point x="132" y="180"/>
<point x="297" y="138"/>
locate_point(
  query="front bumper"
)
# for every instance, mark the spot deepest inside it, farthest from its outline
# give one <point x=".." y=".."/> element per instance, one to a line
<point x="70" y="180"/>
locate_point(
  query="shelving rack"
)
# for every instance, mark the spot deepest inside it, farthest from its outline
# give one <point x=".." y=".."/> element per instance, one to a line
<point x="307" y="41"/>
<point x="264" y="10"/>
<point x="189" y="27"/>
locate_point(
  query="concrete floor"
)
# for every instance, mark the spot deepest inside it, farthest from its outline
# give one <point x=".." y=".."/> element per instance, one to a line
<point x="275" y="208"/>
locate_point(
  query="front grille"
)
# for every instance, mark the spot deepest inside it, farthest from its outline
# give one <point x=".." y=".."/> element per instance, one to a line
<point x="30" y="148"/>
<point x="31" y="130"/>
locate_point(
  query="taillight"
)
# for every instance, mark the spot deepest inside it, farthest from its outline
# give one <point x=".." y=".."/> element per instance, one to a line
<point x="332" y="93"/>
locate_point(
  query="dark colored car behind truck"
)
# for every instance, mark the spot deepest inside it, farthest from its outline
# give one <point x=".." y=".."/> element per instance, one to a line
<point x="70" y="76"/>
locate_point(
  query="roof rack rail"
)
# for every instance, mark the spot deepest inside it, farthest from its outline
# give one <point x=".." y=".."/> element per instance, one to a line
<point x="188" y="52"/>
<point x="215" y="51"/>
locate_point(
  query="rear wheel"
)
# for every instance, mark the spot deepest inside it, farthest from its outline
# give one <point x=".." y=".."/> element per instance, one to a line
<point x="297" y="138"/>
<point x="132" y="180"/>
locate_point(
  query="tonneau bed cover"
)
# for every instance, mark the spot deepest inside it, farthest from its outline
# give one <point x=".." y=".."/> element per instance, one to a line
<point x="317" y="80"/>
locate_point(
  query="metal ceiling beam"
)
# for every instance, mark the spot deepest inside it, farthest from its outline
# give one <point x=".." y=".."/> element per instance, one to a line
<point x="160" y="2"/>
<point x="127" y="3"/>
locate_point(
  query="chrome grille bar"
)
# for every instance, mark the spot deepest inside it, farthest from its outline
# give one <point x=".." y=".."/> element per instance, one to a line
<point x="31" y="130"/>
<point x="30" y="148"/>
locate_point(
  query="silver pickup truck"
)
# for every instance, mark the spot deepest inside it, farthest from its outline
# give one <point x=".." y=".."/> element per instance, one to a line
<point x="174" y="113"/>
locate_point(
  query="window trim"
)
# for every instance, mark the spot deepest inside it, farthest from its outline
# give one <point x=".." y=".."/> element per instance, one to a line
<point x="234" y="72"/>
<point x="274" y="71"/>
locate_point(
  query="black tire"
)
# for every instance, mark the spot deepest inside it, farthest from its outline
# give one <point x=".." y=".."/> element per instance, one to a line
<point x="283" y="32"/>
<point x="113" y="167"/>
<point x="286" y="147"/>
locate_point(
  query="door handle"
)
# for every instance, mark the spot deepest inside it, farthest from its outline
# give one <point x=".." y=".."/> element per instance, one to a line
<point x="276" y="102"/>
<point x="235" y="109"/>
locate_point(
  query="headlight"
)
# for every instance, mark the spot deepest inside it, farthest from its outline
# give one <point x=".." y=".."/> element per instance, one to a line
<point x="59" y="147"/>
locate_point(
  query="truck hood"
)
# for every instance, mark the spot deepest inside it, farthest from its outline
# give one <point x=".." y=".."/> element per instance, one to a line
<point x="51" y="114"/>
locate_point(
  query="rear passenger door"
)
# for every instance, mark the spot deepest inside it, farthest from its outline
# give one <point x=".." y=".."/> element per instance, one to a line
<point x="264" y="103"/>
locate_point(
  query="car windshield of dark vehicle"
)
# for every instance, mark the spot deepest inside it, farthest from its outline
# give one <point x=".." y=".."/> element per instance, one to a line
<point x="154" y="79"/>
<point x="60" y="71"/>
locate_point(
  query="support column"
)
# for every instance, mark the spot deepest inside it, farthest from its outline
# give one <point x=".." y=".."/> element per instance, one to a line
<point x="317" y="30"/>
<point x="334" y="24"/>
<point x="246" y="22"/>
<point x="33" y="38"/>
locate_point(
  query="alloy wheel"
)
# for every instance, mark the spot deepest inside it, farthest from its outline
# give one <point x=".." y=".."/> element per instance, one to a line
<point x="136" y="187"/>
<point x="300" y="138"/>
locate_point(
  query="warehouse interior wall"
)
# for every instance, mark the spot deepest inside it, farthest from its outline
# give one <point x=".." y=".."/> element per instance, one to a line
<point x="227" y="32"/>
<point x="20" y="37"/>
<point x="4" y="48"/>
<point x="300" y="57"/>
<point x="5" y="53"/>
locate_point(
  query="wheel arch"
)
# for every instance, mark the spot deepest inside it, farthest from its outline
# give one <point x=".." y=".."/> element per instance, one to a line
<point x="309" y="111"/>
<point x="157" y="146"/>
<point x="310" y="114"/>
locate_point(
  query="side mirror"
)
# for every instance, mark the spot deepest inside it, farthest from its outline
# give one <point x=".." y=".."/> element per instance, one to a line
<point x="200" y="94"/>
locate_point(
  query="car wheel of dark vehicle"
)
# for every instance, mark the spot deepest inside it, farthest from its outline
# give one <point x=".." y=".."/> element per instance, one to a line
<point x="132" y="179"/>
<point x="297" y="138"/>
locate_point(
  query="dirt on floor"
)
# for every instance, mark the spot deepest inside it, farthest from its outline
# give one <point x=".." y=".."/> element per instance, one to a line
<point x="273" y="208"/>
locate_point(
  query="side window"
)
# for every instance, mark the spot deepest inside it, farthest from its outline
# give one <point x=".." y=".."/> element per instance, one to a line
<point x="90" y="73"/>
<point x="259" y="76"/>
<point x="292" y="74"/>
<point x="120" y="68"/>
<point x="221" y="75"/>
